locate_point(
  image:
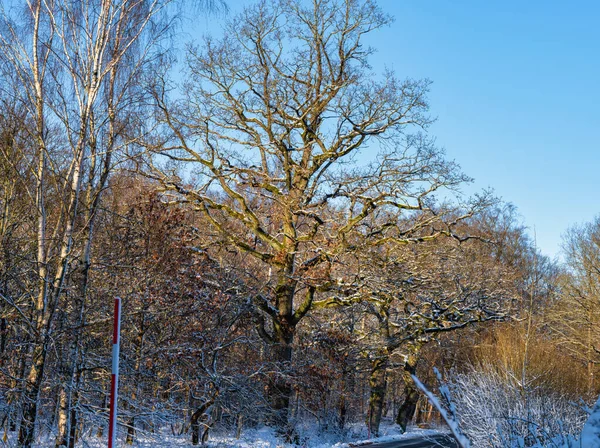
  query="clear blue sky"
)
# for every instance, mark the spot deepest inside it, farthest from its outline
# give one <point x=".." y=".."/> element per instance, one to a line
<point x="516" y="92"/>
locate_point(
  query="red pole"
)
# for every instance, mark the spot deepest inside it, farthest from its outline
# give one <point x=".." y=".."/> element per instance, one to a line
<point x="114" y="379"/>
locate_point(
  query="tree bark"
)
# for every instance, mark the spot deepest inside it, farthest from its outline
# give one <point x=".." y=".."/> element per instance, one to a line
<point x="196" y="421"/>
<point x="239" y="426"/>
<point x="36" y="370"/>
<point x="280" y="387"/>
<point x="61" y="438"/>
<point x="407" y="410"/>
<point x="73" y="415"/>
<point x="31" y="395"/>
<point x="378" y="385"/>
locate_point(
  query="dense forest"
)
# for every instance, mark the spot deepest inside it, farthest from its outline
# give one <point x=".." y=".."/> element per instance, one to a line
<point x="288" y="241"/>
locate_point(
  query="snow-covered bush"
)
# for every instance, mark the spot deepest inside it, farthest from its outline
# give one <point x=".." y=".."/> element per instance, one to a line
<point x="496" y="410"/>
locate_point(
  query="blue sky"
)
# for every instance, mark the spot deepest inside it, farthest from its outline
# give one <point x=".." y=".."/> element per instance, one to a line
<point x="516" y="95"/>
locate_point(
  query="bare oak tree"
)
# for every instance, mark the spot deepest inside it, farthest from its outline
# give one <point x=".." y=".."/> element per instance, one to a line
<point x="270" y="120"/>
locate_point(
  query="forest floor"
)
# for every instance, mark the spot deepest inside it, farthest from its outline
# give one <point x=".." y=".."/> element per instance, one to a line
<point x="309" y="437"/>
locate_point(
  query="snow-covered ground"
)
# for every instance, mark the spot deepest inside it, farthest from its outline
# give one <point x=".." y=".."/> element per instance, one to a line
<point x="309" y="437"/>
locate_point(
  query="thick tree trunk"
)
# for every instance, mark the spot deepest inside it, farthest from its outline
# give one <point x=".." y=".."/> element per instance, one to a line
<point x="280" y="387"/>
<point x="195" y="425"/>
<point x="284" y="328"/>
<point x="197" y="420"/>
<point x="409" y="405"/>
<point x="378" y="385"/>
<point x="411" y="393"/>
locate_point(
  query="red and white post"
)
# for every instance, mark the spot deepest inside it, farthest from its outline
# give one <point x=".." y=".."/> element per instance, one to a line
<point x="114" y="380"/>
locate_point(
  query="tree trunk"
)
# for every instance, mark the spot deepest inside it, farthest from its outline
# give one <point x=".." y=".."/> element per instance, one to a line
<point x="590" y="344"/>
<point x="34" y="377"/>
<point x="284" y="327"/>
<point x="73" y="427"/>
<point x="377" y="384"/>
<point x="73" y="417"/>
<point x="239" y="426"/>
<point x="346" y="387"/>
<point x="411" y="393"/>
<point x="138" y="342"/>
<point x="280" y="388"/>
<point x="196" y="422"/>
<point x="130" y="430"/>
<point x="409" y="405"/>
<point x="195" y="425"/>
<point x="343" y="413"/>
<point x="3" y="335"/>
<point x="31" y="395"/>
<point x="61" y="437"/>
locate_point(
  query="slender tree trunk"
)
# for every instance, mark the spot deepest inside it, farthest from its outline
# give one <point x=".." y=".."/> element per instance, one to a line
<point x="590" y="344"/>
<point x="239" y="426"/>
<point x="343" y="409"/>
<point x="139" y="350"/>
<point x="73" y="417"/>
<point x="67" y="415"/>
<point x="73" y="422"/>
<point x="61" y="438"/>
<point x="130" y="430"/>
<point x="100" y="431"/>
<point x="61" y="416"/>
<point x="36" y="370"/>
<point x="3" y="336"/>
<point x="15" y="384"/>
<point x="346" y="387"/>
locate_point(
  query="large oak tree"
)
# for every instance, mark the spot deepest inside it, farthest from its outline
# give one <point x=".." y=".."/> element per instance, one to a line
<point x="270" y="126"/>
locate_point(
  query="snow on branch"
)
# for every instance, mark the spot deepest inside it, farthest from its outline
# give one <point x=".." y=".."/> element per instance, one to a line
<point x="449" y="413"/>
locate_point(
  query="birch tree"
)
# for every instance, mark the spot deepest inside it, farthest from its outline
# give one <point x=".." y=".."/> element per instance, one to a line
<point x="74" y="68"/>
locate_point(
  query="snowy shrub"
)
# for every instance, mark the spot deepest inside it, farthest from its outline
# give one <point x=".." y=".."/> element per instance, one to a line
<point x="495" y="410"/>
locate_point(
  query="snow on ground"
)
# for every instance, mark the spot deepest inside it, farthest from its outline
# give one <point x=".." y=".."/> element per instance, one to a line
<point x="309" y="437"/>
